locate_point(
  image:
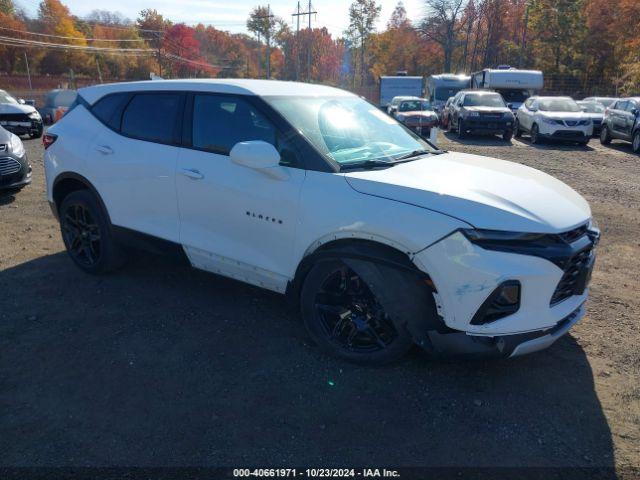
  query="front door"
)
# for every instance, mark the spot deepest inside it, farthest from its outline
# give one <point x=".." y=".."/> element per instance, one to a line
<point x="234" y="220"/>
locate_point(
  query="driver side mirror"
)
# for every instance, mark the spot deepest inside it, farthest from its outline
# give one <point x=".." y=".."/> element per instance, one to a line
<point x="510" y="106"/>
<point x="21" y="101"/>
<point x="635" y="112"/>
<point x="260" y="156"/>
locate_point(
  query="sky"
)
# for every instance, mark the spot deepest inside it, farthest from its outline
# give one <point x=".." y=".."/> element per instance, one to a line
<point x="232" y="15"/>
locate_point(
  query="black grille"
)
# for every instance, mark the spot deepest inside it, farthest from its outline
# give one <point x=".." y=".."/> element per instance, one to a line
<point x="569" y="134"/>
<point x="572" y="280"/>
<point x="15" y="117"/>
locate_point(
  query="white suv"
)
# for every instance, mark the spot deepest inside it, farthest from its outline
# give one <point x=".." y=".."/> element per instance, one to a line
<point x="553" y="118"/>
<point x="383" y="240"/>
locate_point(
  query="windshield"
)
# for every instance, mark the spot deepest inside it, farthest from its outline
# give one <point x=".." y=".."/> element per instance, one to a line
<point x="588" y="107"/>
<point x="559" y="105"/>
<point x="6" y="98"/>
<point x="514" y="96"/>
<point x="414" y="105"/>
<point x="348" y="130"/>
<point x="483" y="100"/>
<point x="443" y="93"/>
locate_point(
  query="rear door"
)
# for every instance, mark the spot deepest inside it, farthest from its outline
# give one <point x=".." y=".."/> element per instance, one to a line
<point x="235" y="220"/>
<point x="134" y="161"/>
<point x="618" y="118"/>
<point x="629" y="118"/>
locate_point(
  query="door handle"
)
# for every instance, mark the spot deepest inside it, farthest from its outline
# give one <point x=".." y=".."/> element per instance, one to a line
<point x="192" y="173"/>
<point x="105" y="149"/>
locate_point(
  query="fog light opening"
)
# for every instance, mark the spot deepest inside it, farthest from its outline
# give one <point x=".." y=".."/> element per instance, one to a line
<point x="503" y="301"/>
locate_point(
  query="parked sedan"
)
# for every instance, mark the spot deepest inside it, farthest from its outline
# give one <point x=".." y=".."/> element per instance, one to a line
<point x="606" y="101"/>
<point x="15" y="171"/>
<point x="554" y="118"/>
<point x="443" y="114"/>
<point x="622" y="121"/>
<point x="479" y="111"/>
<point x="595" y="111"/>
<point x="418" y="115"/>
<point x="18" y="117"/>
<point x="395" y="101"/>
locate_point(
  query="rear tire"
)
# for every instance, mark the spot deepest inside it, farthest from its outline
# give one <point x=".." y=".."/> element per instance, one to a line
<point x="345" y="319"/>
<point x="605" y="136"/>
<point x="635" y="144"/>
<point x="507" y="135"/>
<point x="87" y="234"/>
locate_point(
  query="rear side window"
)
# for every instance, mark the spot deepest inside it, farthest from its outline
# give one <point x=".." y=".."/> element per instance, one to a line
<point x="152" y="117"/>
<point x="109" y="109"/>
<point x="219" y="122"/>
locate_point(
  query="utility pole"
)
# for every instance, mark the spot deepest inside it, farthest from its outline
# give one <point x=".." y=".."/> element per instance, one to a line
<point x="159" y="53"/>
<point x="26" y="61"/>
<point x="297" y="15"/>
<point x="268" y="17"/>
<point x="524" y="33"/>
<point x="309" y="12"/>
<point x="99" y="71"/>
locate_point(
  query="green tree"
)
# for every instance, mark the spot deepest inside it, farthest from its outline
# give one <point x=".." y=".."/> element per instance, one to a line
<point x="363" y="15"/>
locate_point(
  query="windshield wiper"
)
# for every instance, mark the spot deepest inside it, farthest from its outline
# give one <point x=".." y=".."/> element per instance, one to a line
<point x="366" y="164"/>
<point x="414" y="154"/>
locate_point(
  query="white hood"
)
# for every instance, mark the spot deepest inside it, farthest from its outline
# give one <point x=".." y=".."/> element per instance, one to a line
<point x="13" y="108"/>
<point x="484" y="192"/>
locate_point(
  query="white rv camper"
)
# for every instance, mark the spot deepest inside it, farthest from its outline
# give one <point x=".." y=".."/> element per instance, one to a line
<point x="514" y="85"/>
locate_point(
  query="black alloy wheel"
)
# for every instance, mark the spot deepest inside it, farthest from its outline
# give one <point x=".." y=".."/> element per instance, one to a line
<point x="344" y="317"/>
<point x="81" y="235"/>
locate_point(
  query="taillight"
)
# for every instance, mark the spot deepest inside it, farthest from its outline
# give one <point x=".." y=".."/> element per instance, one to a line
<point x="48" y="139"/>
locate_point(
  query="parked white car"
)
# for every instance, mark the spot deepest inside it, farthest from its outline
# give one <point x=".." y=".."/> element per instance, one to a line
<point x="554" y="118"/>
<point x="383" y="240"/>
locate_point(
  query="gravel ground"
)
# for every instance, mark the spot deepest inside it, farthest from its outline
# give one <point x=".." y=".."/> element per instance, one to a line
<point x="161" y="365"/>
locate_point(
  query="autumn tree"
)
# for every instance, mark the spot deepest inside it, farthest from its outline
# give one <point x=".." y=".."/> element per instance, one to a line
<point x="181" y="46"/>
<point x="55" y="19"/>
<point x="363" y="15"/>
<point x="9" y="56"/>
<point x="443" y="26"/>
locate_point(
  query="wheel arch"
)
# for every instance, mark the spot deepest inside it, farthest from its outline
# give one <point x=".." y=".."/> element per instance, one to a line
<point x="370" y="259"/>
<point x="68" y="182"/>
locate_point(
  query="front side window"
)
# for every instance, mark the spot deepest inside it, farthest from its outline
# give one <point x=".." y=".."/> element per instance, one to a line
<point x="152" y="117"/>
<point x="483" y="100"/>
<point x="348" y="130"/>
<point x="219" y="122"/>
<point x="631" y="105"/>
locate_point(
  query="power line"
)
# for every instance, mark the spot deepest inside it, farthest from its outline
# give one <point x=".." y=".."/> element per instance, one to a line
<point x="24" y="32"/>
<point x="72" y="47"/>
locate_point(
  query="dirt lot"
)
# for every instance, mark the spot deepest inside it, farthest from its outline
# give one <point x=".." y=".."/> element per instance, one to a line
<point x="161" y="365"/>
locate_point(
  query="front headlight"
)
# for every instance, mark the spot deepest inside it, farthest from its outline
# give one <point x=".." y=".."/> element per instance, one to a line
<point x="16" y="146"/>
<point x="549" y="121"/>
<point x="488" y="236"/>
<point x="34" y="116"/>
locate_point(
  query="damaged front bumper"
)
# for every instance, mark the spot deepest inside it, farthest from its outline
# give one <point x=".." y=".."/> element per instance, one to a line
<point x="465" y="276"/>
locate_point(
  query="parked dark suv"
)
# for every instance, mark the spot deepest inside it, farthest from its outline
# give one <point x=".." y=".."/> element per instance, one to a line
<point x="622" y="121"/>
<point x="477" y="111"/>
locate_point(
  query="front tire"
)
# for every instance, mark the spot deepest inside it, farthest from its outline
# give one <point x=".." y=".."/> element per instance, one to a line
<point x="605" y="136"/>
<point x="87" y="234"/>
<point x="535" y="134"/>
<point x="461" y="131"/>
<point x="516" y="129"/>
<point x="507" y="135"/>
<point x="345" y="319"/>
<point x="635" y="144"/>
